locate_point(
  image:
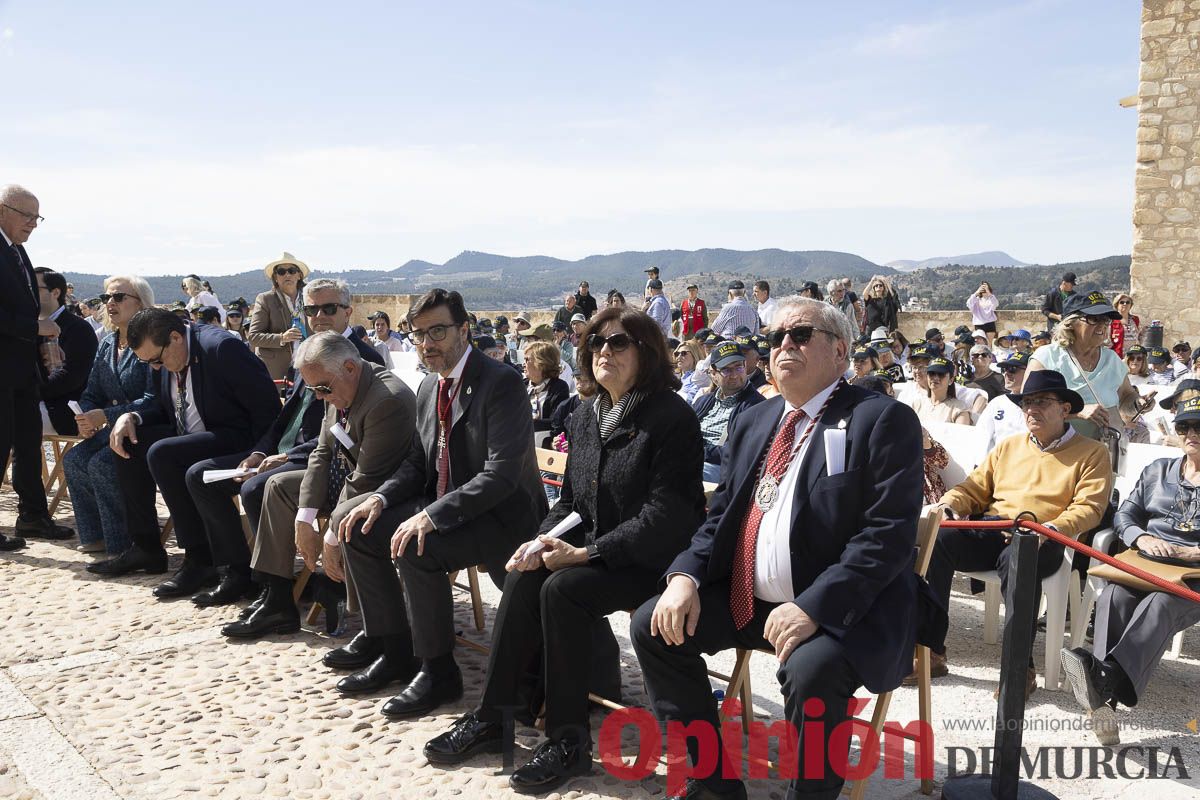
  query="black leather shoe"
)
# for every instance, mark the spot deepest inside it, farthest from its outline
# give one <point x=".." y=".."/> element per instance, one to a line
<point x="552" y="765"/>
<point x="698" y="790"/>
<point x="424" y="693"/>
<point x="355" y="654"/>
<point x="42" y="528"/>
<point x="255" y="605"/>
<point x="379" y="674"/>
<point x="233" y="587"/>
<point x="189" y="579"/>
<point x="10" y="543"/>
<point x="265" y="620"/>
<point x="131" y="560"/>
<point x="468" y="737"/>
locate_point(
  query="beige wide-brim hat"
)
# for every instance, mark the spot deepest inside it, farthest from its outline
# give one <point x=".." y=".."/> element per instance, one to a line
<point x="288" y="258"/>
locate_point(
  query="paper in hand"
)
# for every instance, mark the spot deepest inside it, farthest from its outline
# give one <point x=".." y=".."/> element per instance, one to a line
<point x="74" y="406"/>
<point x="215" y="475"/>
<point x="570" y="521"/>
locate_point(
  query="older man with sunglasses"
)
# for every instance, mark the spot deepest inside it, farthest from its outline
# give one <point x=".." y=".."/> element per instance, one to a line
<point x="214" y="395"/>
<point x="284" y="447"/>
<point x="807" y="550"/>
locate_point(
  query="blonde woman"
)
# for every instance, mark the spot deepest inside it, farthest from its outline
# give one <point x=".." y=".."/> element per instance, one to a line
<point x="688" y="356"/>
<point x="200" y="296"/>
<point x="882" y="305"/>
<point x="277" y="324"/>
<point x="1124" y="331"/>
<point x="543" y="365"/>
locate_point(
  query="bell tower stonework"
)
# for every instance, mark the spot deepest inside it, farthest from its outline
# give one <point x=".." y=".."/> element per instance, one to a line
<point x="1166" y="214"/>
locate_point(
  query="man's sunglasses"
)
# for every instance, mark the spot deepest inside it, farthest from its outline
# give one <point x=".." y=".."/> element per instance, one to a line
<point x="116" y="297"/>
<point x="287" y="270"/>
<point x="801" y="334"/>
<point x="617" y="342"/>
<point x="328" y="309"/>
<point x="158" y="360"/>
<point x="318" y="389"/>
<point x="1011" y="370"/>
<point x="1186" y="427"/>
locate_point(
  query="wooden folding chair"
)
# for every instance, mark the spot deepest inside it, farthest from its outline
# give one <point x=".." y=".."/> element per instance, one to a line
<point x="59" y="447"/>
<point x="739" y="682"/>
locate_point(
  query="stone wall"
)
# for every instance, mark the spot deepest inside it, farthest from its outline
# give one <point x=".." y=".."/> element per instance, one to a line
<point x="913" y="324"/>
<point x="1166" y="241"/>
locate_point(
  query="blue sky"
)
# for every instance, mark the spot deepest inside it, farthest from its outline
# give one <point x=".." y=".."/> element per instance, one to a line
<point x="182" y="137"/>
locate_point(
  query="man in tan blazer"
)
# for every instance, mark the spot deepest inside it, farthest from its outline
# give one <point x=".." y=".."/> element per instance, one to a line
<point x="370" y="419"/>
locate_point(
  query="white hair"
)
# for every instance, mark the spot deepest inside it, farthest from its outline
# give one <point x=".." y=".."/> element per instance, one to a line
<point x="829" y="318"/>
<point x="329" y="350"/>
<point x="321" y="284"/>
<point x="13" y="192"/>
<point x="833" y="286"/>
<point x="140" y="287"/>
<point x="193" y="284"/>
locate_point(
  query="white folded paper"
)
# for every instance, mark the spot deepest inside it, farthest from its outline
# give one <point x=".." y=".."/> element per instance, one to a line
<point x="74" y="406"/>
<point x="340" y="434"/>
<point x="557" y="532"/>
<point x="214" y="475"/>
<point x="835" y="451"/>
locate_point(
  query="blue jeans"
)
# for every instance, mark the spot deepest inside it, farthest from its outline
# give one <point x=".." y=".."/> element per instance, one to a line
<point x="711" y="473"/>
<point x="92" y="483"/>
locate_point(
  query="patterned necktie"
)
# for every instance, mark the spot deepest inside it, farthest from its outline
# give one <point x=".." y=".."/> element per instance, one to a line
<point x="741" y="584"/>
<point x="339" y="468"/>
<point x="443" y="445"/>
<point x="24" y="272"/>
<point x="181" y="403"/>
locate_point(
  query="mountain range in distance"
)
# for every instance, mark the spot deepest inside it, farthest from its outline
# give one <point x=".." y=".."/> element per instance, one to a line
<point x="989" y="258"/>
<point x="491" y="281"/>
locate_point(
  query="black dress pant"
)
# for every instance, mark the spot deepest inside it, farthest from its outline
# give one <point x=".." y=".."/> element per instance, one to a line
<point x="978" y="549"/>
<point x="677" y="680"/>
<point x="214" y="501"/>
<point x="410" y="596"/>
<point x="21" y="435"/>
<point x="162" y="458"/>
<point x="554" y="614"/>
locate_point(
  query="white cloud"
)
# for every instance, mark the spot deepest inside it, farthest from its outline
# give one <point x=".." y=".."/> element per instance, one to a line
<point x="905" y="39"/>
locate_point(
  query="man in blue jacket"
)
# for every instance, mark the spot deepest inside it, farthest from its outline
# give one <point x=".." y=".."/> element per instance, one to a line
<point x="214" y="396"/>
<point x="732" y="394"/>
<point x="807" y="550"/>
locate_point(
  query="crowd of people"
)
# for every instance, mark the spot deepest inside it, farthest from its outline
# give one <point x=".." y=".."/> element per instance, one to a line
<point x="751" y="481"/>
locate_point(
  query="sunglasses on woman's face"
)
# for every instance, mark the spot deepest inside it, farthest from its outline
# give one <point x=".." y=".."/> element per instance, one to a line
<point x="234" y="315"/>
<point x="617" y="342"/>
<point x="116" y="297"/>
<point x="1184" y="428"/>
<point x="287" y="270"/>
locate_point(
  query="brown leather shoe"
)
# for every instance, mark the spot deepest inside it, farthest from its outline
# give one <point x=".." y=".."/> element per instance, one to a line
<point x="937" y="668"/>
<point x="1030" y="685"/>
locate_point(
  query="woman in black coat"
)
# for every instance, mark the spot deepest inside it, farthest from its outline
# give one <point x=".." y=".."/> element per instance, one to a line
<point x="633" y="476"/>
<point x="546" y="390"/>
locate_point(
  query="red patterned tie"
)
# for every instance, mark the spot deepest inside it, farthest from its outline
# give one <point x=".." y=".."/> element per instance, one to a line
<point x="443" y="442"/>
<point x="741" y="585"/>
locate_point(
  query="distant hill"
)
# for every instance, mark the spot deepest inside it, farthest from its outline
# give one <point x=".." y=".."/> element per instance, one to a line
<point x="948" y="287"/>
<point x="494" y="281"/>
<point x="991" y="258"/>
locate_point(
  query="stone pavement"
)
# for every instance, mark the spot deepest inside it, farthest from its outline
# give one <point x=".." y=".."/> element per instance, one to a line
<point x="107" y="693"/>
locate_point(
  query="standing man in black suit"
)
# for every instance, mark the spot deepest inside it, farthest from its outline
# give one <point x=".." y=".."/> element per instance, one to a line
<point x="805" y="551"/>
<point x="468" y="493"/>
<point x="214" y="396"/>
<point x="77" y="341"/>
<point x="20" y="419"/>
<point x="285" y="447"/>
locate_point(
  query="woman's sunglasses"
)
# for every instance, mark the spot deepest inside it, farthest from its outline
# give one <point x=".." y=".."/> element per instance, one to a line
<point x="1184" y="428"/>
<point x="617" y="342"/>
<point x="116" y="297"/>
<point x="801" y="334"/>
<point x="287" y="270"/>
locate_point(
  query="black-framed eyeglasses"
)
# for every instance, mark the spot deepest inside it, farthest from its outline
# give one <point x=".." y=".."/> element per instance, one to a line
<point x="616" y="342"/>
<point x="319" y="389"/>
<point x="1095" y="320"/>
<point x="801" y="334"/>
<point x="1187" y="426"/>
<point x="157" y="361"/>
<point x="436" y="333"/>
<point x="236" y="314"/>
<point x="116" y="297"/>
<point x="35" y="218"/>
<point x="287" y="270"/>
<point x="328" y="309"/>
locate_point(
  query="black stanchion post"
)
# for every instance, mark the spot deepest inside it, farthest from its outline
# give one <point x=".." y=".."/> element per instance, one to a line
<point x="1021" y="604"/>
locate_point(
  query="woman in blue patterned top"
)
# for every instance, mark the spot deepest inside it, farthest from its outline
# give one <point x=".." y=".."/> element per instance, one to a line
<point x="119" y="383"/>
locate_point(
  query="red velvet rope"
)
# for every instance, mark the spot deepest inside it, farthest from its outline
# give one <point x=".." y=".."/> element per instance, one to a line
<point x="1061" y="538"/>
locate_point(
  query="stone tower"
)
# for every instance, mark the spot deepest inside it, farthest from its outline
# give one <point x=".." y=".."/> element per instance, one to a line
<point x="1166" y="214"/>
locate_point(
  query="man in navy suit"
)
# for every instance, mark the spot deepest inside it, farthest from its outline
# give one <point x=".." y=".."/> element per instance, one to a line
<point x="214" y="396"/>
<point x="78" y="344"/>
<point x="285" y="447"/>
<point x="805" y="551"/>
<point x="20" y="419"/>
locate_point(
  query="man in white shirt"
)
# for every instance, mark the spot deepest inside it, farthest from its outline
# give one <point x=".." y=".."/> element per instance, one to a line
<point x="808" y="555"/>
<point x="1002" y="417"/>
<point x="766" y="303"/>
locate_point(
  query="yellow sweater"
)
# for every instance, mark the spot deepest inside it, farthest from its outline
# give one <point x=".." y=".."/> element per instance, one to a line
<point x="1068" y="487"/>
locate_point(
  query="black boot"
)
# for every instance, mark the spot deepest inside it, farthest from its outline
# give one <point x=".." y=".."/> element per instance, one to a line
<point x="234" y="585"/>
<point x="277" y="614"/>
<point x="396" y="663"/>
<point x="355" y="654"/>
